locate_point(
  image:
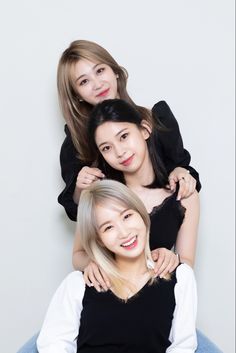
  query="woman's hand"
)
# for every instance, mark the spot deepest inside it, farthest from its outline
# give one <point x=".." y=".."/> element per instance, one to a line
<point x="187" y="184"/>
<point x="165" y="261"/>
<point x="95" y="276"/>
<point x="87" y="176"/>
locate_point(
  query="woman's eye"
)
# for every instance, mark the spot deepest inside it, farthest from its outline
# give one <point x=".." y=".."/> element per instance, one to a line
<point x="124" y="136"/>
<point x="100" y="70"/>
<point x="107" y="228"/>
<point x="83" y="82"/>
<point x="106" y="148"/>
<point x="128" y="215"/>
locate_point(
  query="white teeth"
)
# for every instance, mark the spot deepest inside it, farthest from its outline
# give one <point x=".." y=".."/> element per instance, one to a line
<point x="129" y="242"/>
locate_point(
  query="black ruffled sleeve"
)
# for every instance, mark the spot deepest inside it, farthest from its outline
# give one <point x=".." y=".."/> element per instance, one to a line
<point x="70" y="167"/>
<point x="170" y="143"/>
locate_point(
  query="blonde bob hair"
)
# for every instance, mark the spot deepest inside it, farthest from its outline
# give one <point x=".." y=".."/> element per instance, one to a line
<point x="76" y="111"/>
<point x="98" y="193"/>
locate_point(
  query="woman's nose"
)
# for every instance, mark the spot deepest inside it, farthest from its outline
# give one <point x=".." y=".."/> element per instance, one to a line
<point x="96" y="83"/>
<point x="119" y="150"/>
<point x="124" y="231"/>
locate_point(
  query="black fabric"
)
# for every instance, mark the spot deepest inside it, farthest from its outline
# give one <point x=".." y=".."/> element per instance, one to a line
<point x="141" y="325"/>
<point x="166" y="220"/>
<point x="169" y="144"/>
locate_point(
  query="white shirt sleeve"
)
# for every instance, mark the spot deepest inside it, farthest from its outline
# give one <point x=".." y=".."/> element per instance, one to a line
<point x="61" y="325"/>
<point x="183" y="331"/>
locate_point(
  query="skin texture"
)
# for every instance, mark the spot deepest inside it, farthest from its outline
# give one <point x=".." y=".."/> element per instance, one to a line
<point x="95" y="81"/>
<point x="118" y="142"/>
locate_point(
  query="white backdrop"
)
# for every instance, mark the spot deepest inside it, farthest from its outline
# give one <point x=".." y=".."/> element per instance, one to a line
<point x="180" y="51"/>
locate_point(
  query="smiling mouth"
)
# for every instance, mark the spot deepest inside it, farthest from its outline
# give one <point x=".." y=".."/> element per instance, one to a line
<point x="130" y="244"/>
<point x="128" y="161"/>
<point x="103" y="93"/>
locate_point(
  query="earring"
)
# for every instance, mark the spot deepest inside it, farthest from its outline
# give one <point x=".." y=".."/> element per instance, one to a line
<point x="80" y="100"/>
<point x="117" y="76"/>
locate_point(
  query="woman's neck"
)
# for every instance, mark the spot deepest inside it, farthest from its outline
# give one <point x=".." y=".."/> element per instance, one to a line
<point x="131" y="268"/>
<point x="143" y="176"/>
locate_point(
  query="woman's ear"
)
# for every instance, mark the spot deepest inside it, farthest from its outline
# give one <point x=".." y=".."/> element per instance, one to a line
<point x="146" y="129"/>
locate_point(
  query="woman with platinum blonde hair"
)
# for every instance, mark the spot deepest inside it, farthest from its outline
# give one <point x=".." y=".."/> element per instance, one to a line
<point x="108" y="194"/>
<point x="139" y="313"/>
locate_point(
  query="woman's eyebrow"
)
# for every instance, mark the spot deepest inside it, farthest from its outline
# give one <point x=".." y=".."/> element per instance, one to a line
<point x="109" y="221"/>
<point x="118" y="133"/>
<point x="93" y="68"/>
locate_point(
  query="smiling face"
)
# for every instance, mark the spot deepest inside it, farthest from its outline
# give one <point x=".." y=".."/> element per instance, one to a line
<point x="121" y="230"/>
<point x="123" y="146"/>
<point x="94" y="82"/>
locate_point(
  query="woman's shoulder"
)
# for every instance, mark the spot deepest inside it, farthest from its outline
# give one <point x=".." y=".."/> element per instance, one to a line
<point x="68" y="151"/>
<point x="160" y="105"/>
<point x="161" y="108"/>
<point x="163" y="113"/>
<point x="185" y="275"/>
<point x="74" y="281"/>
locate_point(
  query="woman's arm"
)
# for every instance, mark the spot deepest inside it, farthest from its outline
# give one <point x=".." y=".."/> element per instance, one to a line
<point x="70" y="167"/>
<point x="93" y="275"/>
<point x="170" y="143"/>
<point x="187" y="235"/>
<point x="61" y="325"/>
<point x="183" y="330"/>
<point x="80" y="258"/>
<point x="76" y="176"/>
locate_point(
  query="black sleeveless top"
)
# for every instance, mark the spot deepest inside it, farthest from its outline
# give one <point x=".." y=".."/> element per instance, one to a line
<point x="124" y="327"/>
<point x="141" y="325"/>
<point x="166" y="220"/>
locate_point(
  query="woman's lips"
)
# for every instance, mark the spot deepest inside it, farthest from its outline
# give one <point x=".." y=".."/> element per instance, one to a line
<point x="103" y="93"/>
<point x="128" y="161"/>
<point x="132" y="243"/>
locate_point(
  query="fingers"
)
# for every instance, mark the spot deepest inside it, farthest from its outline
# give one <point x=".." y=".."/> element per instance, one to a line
<point x="87" y="176"/>
<point x="166" y="263"/>
<point x="94" y="276"/>
<point x="154" y="254"/>
<point x="172" y="183"/>
<point x="187" y="185"/>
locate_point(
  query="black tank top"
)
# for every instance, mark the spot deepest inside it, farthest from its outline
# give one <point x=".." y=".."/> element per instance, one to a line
<point x="166" y="220"/>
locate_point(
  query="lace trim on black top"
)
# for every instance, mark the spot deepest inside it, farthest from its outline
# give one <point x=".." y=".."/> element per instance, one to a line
<point x="181" y="208"/>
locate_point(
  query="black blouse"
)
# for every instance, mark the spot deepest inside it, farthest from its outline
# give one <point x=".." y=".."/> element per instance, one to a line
<point x="170" y="149"/>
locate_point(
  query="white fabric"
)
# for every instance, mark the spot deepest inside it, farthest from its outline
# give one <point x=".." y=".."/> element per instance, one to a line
<point x="61" y="325"/>
<point x="183" y="331"/>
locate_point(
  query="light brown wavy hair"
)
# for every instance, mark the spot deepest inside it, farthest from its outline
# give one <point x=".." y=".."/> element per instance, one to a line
<point x="76" y="112"/>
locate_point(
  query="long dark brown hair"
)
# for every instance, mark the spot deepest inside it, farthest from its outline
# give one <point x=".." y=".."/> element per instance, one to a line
<point x="117" y="110"/>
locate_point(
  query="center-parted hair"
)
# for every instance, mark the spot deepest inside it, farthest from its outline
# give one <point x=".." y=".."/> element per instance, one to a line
<point x="118" y="110"/>
<point x="74" y="110"/>
<point x="102" y="193"/>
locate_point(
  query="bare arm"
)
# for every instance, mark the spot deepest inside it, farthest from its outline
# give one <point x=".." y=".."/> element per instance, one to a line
<point x="187" y="235"/>
<point x="93" y="274"/>
<point x="80" y="258"/>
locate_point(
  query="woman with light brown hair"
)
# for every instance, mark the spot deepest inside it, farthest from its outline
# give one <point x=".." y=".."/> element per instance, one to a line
<point x="87" y="75"/>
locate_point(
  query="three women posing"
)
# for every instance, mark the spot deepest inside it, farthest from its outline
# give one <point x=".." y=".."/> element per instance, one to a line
<point x="88" y="75"/>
